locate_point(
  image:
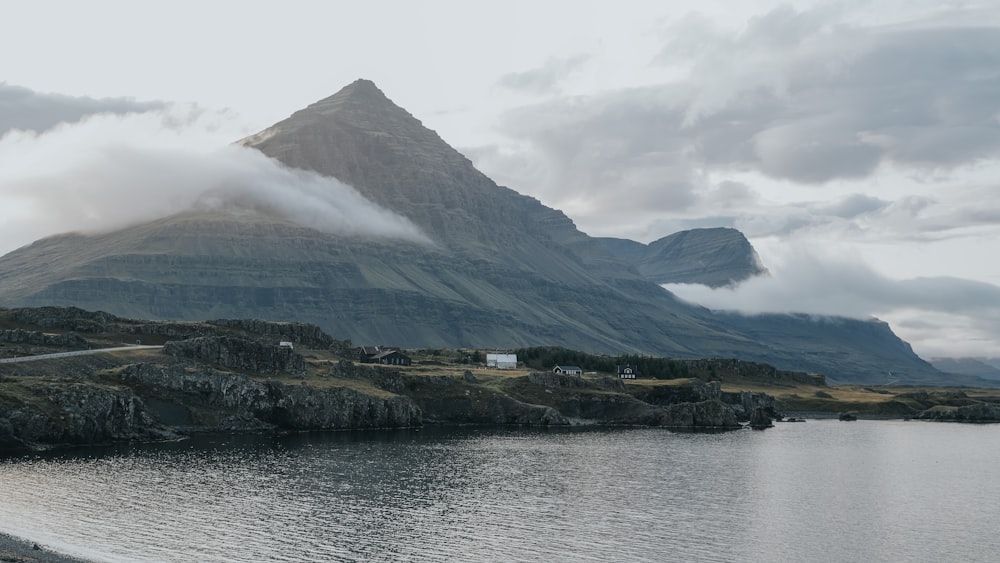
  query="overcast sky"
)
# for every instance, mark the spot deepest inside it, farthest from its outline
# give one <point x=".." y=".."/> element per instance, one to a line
<point x="856" y="144"/>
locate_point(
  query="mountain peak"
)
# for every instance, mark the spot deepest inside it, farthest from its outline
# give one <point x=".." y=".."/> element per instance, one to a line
<point x="361" y="86"/>
<point x="364" y="139"/>
<point x="715" y="257"/>
<point x="336" y="122"/>
<point x="360" y="93"/>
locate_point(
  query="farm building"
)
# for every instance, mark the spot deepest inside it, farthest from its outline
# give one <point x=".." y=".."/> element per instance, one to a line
<point x="387" y="355"/>
<point x="392" y="358"/>
<point x="627" y="372"/>
<point x="501" y="361"/>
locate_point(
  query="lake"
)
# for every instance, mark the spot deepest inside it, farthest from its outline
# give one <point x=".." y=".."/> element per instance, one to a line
<point x="822" y="490"/>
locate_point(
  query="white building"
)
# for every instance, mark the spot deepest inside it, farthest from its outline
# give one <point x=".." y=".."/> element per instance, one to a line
<point x="501" y="361"/>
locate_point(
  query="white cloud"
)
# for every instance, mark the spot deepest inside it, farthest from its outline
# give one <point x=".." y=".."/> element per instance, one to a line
<point x="941" y="316"/>
<point x="799" y="105"/>
<point x="110" y="171"/>
<point x="546" y="78"/>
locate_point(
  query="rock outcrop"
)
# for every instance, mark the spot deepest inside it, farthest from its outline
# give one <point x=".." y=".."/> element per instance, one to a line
<point x="553" y="380"/>
<point x="485" y="406"/>
<point x="36" y="338"/>
<point x="745" y="403"/>
<point x="445" y="399"/>
<point x="605" y="400"/>
<point x="66" y="318"/>
<point x="239" y="354"/>
<point x="305" y="334"/>
<point x="77" y="413"/>
<point x="705" y="415"/>
<point x="153" y="402"/>
<point x="210" y="398"/>
<point x="759" y="419"/>
<point x="978" y="412"/>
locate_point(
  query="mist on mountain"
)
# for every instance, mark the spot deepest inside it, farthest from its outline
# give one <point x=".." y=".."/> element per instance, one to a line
<point x="108" y="172"/>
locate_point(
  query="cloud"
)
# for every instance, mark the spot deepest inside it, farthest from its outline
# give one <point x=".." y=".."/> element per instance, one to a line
<point x="25" y="109"/>
<point x="853" y="206"/>
<point x="546" y="78"/>
<point x="109" y="171"/>
<point x="814" y="150"/>
<point x="603" y="153"/>
<point x="818" y="99"/>
<point x="966" y="313"/>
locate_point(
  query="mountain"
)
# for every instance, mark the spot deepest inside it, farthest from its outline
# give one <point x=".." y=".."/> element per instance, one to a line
<point x="497" y="269"/>
<point x="986" y="368"/>
<point x="713" y="257"/>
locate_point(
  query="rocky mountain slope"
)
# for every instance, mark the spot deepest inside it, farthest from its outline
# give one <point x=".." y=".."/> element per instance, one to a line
<point x="713" y="257"/>
<point x="500" y="270"/>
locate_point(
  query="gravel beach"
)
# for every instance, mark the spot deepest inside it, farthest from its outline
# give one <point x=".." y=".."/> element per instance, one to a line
<point x="15" y="550"/>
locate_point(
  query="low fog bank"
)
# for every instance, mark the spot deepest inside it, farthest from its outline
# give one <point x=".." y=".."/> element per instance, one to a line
<point x="110" y="171"/>
<point x="939" y="316"/>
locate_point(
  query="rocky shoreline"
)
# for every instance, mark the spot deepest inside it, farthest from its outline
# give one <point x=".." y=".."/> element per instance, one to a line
<point x="17" y="550"/>
<point x="233" y="376"/>
<point x="211" y="384"/>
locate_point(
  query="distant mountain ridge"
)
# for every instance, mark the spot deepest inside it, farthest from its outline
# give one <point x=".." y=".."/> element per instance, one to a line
<point x="985" y="368"/>
<point x="503" y="270"/>
<point x="714" y="257"/>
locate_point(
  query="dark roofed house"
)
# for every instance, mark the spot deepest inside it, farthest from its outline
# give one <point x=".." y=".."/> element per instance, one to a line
<point x="392" y="358"/>
<point x="370" y="354"/>
<point x="627" y="372"/>
<point x="568" y="370"/>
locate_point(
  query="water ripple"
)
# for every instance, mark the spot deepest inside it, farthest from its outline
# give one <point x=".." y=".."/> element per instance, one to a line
<point x="822" y="491"/>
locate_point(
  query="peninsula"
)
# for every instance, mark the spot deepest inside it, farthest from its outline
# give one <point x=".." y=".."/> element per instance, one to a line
<point x="97" y="378"/>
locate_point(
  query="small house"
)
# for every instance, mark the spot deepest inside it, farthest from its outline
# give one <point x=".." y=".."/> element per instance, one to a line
<point x="626" y="372"/>
<point x="568" y="370"/>
<point x="501" y="361"/>
<point x="370" y="354"/>
<point x="286" y="344"/>
<point x="392" y="358"/>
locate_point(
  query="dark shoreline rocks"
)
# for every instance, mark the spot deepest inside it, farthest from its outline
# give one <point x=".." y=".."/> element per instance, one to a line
<point x="179" y="395"/>
<point x="18" y="550"/>
<point x="759" y="419"/>
<point x="983" y="413"/>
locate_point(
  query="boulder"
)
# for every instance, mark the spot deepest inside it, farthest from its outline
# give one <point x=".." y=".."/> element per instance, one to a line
<point x="711" y="414"/>
<point x="759" y="419"/>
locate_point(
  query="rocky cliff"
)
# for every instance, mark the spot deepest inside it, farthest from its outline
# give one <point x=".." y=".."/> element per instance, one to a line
<point x="238" y="354"/>
<point x="146" y="401"/>
<point x="156" y="401"/>
<point x="207" y="398"/>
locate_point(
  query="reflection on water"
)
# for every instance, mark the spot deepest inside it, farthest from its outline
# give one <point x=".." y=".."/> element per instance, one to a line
<point x="820" y="491"/>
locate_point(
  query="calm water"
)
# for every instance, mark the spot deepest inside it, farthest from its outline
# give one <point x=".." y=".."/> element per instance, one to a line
<point x="818" y="491"/>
